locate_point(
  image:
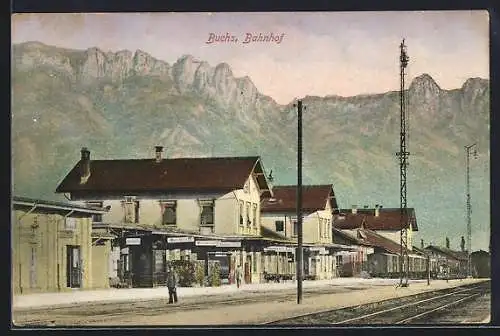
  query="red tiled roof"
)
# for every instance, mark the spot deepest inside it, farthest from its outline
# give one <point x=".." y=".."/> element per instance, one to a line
<point x="169" y="175"/>
<point x="458" y="255"/>
<point x="314" y="198"/>
<point x="349" y="237"/>
<point x="388" y="219"/>
<point x="381" y="242"/>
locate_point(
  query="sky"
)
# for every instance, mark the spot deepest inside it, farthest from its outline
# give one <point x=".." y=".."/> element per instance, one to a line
<point x="322" y="53"/>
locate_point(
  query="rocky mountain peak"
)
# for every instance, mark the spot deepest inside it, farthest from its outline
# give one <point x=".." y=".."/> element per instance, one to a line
<point x="475" y="84"/>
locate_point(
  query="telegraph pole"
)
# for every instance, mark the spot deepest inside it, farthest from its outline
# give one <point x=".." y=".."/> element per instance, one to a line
<point x="299" y="265"/>
<point x="403" y="157"/>
<point x="470" y="149"/>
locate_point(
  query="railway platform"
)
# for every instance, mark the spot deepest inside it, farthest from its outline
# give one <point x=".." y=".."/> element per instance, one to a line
<point x="369" y="290"/>
<point x="38" y="300"/>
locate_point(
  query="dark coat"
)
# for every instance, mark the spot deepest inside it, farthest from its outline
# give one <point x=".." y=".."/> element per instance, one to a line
<point x="172" y="279"/>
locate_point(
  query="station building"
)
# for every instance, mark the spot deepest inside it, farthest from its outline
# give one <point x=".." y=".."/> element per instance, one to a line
<point x="54" y="249"/>
<point x="170" y="209"/>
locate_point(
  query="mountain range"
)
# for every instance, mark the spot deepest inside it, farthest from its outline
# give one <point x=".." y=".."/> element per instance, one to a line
<point x="121" y="104"/>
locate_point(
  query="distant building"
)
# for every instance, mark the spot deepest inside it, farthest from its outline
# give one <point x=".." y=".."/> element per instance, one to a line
<point x="54" y="249"/>
<point x="449" y="262"/>
<point x="279" y="215"/>
<point x="385" y="222"/>
<point x="481" y="264"/>
<point x="163" y="207"/>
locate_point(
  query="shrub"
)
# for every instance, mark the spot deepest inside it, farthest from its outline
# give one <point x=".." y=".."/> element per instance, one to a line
<point x="200" y="272"/>
<point x="214" y="274"/>
<point x="186" y="272"/>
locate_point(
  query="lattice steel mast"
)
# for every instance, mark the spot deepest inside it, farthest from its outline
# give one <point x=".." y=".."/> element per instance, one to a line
<point x="403" y="163"/>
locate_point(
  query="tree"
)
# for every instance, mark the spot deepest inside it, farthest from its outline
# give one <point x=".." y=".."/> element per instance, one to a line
<point x="462" y="244"/>
<point x="447" y="243"/>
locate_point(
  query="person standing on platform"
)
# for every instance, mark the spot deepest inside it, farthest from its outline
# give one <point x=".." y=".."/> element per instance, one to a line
<point x="238" y="275"/>
<point x="172" y="281"/>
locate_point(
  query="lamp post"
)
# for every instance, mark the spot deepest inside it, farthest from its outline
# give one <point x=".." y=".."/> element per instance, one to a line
<point x="470" y="149"/>
<point x="300" y="252"/>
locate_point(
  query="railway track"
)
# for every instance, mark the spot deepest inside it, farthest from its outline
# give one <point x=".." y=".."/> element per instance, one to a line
<point x="95" y="312"/>
<point x="414" y="309"/>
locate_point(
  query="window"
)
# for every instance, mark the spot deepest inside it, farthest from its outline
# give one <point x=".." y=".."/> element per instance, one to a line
<point x="255" y="215"/>
<point x="207" y="212"/>
<point x="280" y="226"/>
<point x="96" y="217"/>
<point x="131" y="210"/>
<point x="246" y="187"/>
<point x="249" y="222"/>
<point x="321" y="228"/>
<point x="169" y="209"/>
<point x="70" y="223"/>
<point x="241" y="212"/>
<point x="295" y="228"/>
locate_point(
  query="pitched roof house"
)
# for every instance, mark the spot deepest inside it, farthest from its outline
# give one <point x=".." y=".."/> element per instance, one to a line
<point x="209" y="195"/>
<point x="384" y="221"/>
<point x="279" y="212"/>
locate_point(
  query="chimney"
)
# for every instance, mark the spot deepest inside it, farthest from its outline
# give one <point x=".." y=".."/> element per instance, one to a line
<point x="377" y="210"/>
<point x="84" y="165"/>
<point x="354" y="209"/>
<point x="159" y="150"/>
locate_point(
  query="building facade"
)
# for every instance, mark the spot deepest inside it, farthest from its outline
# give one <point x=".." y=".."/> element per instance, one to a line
<point x="386" y="222"/>
<point x="53" y="248"/>
<point x="279" y="215"/>
<point x="155" y="201"/>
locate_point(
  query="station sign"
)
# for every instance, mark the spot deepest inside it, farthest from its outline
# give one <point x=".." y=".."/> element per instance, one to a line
<point x="206" y="242"/>
<point x="279" y="249"/>
<point x="228" y="244"/>
<point x="174" y="240"/>
<point x="321" y="250"/>
<point x="133" y="241"/>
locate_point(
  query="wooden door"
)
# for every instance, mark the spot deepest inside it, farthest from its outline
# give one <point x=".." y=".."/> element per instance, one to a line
<point x="73" y="267"/>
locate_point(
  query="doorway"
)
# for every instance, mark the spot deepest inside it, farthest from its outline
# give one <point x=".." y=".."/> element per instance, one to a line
<point x="248" y="269"/>
<point x="73" y="267"/>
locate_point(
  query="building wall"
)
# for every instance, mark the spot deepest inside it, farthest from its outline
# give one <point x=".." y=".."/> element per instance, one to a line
<point x="39" y="243"/>
<point x="226" y="214"/>
<point x="188" y="211"/>
<point x="100" y="265"/>
<point x="310" y="229"/>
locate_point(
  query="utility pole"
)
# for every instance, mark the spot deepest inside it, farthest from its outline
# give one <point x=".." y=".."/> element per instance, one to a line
<point x="403" y="157"/>
<point x="470" y="149"/>
<point x="300" y="251"/>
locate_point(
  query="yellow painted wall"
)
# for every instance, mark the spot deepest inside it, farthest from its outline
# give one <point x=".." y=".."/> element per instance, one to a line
<point x="44" y="235"/>
<point x="100" y="265"/>
<point x="188" y="211"/>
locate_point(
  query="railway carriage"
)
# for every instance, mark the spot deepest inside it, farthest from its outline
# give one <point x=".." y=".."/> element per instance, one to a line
<point x="386" y="265"/>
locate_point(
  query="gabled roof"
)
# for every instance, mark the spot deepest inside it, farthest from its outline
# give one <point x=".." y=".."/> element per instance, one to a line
<point x="458" y="255"/>
<point x="284" y="199"/>
<point x="388" y="219"/>
<point x="219" y="174"/>
<point x="346" y="236"/>
<point x="25" y="202"/>
<point x="381" y="242"/>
